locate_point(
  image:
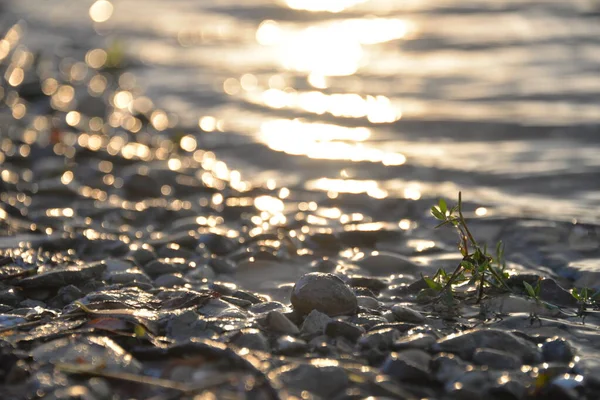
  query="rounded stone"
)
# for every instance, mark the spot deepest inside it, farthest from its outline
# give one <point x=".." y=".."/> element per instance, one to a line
<point x="325" y="293"/>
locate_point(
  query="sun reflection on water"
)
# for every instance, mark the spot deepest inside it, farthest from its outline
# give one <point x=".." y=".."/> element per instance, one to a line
<point x="333" y="6"/>
<point x="328" y="49"/>
<point x="325" y="142"/>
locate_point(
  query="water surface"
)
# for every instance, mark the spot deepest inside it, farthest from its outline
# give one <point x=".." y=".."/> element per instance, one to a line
<point x="390" y="99"/>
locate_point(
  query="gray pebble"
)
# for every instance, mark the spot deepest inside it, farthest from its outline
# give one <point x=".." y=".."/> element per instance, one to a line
<point x="408" y="365"/>
<point x="367" y="302"/>
<point x="170" y="280"/>
<point x="557" y="350"/>
<point x="317" y="377"/>
<point x="344" y="329"/>
<point x="466" y="343"/>
<point x="421" y="341"/>
<point x="323" y="292"/>
<point x="496" y="359"/>
<point x="314" y="323"/>
<point x="252" y="339"/>
<point x="288" y="346"/>
<point x="379" y="339"/>
<point x="406" y="314"/>
<point x="277" y="322"/>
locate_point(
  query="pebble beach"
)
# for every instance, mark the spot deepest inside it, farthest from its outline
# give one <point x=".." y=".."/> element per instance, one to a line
<point x="144" y="257"/>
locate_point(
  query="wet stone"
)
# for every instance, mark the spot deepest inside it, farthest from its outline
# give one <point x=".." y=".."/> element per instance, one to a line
<point x="185" y="325"/>
<point x="381" y="339"/>
<point x="323" y="292"/>
<point x="170" y="280"/>
<point x="466" y="343"/>
<point x="557" y="350"/>
<point x="222" y="265"/>
<point x="217" y="244"/>
<point x="344" y="329"/>
<point x="322" y="377"/>
<point x="97" y="351"/>
<point x="421" y="341"/>
<point x="115" y="265"/>
<point x="277" y="322"/>
<point x="289" y="346"/>
<point x="143" y="255"/>
<point x="252" y="339"/>
<point x="8" y="320"/>
<point x="131" y="276"/>
<point x="407" y="314"/>
<point x="496" y="359"/>
<point x="156" y="268"/>
<point x="10" y="296"/>
<point x="59" y="277"/>
<point x="236" y="302"/>
<point x="408" y="365"/>
<point x="367" y="302"/>
<point x="314" y="323"/>
<point x="447" y="367"/>
<point x="368" y="321"/>
<point x="202" y="271"/>
<point x="266" y="307"/>
<point x="373" y="284"/>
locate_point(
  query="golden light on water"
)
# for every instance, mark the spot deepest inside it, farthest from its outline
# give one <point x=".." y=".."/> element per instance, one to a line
<point x="376" y="109"/>
<point x="96" y="58"/>
<point x="325" y="142"/>
<point x="328" y="49"/>
<point x="101" y="11"/>
<point x="333" y="6"/>
<point x="370" y="187"/>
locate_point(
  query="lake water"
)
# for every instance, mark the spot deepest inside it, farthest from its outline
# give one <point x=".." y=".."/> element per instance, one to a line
<point x="390" y="99"/>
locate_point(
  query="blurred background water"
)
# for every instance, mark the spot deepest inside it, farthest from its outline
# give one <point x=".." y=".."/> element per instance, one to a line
<point x="390" y="99"/>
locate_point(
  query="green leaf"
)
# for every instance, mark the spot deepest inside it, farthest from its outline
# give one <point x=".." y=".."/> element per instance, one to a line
<point x="433" y="284"/>
<point x="530" y="290"/>
<point x="467" y="265"/>
<point x="435" y="211"/>
<point x="575" y="294"/>
<point x="443" y="206"/>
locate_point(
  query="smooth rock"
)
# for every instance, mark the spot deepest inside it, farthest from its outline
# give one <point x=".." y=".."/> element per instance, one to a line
<point x="374" y="284"/>
<point x="289" y="346"/>
<point x="62" y="276"/>
<point x="447" y="367"/>
<point x="421" y="341"/>
<point x="97" y="351"/>
<point x="277" y="322"/>
<point x="466" y="343"/>
<point x="496" y="359"/>
<point x="222" y="265"/>
<point x="557" y="350"/>
<point x="408" y="365"/>
<point x="381" y="339"/>
<point x="323" y="292"/>
<point x="252" y="339"/>
<point x="407" y="314"/>
<point x="335" y="328"/>
<point x="321" y="376"/>
<point x="367" y="302"/>
<point x="314" y="323"/>
<point x="170" y="280"/>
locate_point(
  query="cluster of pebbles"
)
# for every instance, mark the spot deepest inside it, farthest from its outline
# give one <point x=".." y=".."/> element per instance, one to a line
<point x="134" y="264"/>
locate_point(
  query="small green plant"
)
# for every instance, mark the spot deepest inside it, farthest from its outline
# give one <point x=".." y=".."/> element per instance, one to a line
<point x="585" y="299"/>
<point x="477" y="267"/>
